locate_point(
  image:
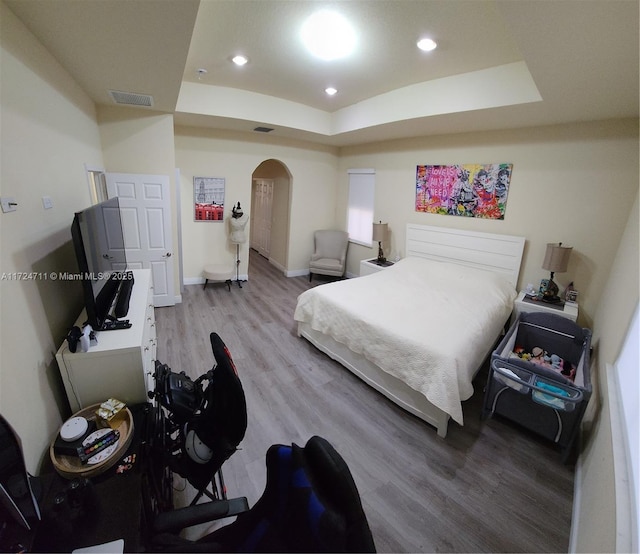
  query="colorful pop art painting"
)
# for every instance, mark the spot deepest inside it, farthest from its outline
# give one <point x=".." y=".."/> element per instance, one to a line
<point x="468" y="190"/>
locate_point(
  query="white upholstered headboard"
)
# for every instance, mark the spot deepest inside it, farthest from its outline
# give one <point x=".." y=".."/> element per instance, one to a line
<point x="499" y="253"/>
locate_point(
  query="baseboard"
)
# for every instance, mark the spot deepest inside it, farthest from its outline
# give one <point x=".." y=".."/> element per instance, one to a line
<point x="577" y="500"/>
<point x="626" y="510"/>
<point x="624" y="479"/>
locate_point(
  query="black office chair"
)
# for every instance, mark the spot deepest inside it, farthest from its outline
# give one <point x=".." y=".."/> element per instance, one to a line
<point x="310" y="504"/>
<point x="198" y="426"/>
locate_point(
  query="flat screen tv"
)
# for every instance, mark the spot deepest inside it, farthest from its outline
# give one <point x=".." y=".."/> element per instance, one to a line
<point x="98" y="241"/>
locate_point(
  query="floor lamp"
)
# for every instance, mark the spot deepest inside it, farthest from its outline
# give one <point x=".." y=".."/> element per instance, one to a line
<point x="238" y="222"/>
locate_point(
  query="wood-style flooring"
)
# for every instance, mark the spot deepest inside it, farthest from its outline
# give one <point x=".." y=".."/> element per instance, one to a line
<point x="488" y="487"/>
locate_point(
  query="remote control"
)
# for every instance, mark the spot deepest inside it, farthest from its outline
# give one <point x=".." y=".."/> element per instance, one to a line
<point x="98" y="445"/>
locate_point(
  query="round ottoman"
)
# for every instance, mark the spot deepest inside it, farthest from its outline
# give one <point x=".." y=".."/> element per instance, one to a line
<point x="217" y="273"/>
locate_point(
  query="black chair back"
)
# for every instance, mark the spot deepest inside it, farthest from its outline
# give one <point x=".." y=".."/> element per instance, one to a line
<point x="310" y="504"/>
<point x="222" y="421"/>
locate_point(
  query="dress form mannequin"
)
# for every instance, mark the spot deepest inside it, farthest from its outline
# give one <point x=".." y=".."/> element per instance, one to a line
<point x="237" y="236"/>
<point x="238" y="222"/>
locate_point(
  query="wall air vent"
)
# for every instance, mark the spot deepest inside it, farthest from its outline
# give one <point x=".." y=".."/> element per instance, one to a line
<point x="263" y="129"/>
<point x="131" y="98"/>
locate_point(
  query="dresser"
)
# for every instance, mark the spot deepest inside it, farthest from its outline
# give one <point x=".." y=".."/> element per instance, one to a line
<point x="121" y="365"/>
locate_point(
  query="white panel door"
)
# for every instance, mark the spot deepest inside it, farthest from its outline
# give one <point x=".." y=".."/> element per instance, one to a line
<point x="262" y="203"/>
<point x="146" y="223"/>
<point x="115" y="256"/>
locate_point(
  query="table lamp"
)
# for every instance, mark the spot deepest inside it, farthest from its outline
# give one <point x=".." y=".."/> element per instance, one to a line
<point x="379" y="234"/>
<point x="556" y="260"/>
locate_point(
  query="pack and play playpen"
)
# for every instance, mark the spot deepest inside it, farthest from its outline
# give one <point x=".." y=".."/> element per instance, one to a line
<point x="539" y="377"/>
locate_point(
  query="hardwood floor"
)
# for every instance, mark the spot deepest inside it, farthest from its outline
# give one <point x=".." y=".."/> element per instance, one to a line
<point x="488" y="487"/>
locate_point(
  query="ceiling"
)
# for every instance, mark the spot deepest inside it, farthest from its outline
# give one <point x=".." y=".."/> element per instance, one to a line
<point x="499" y="63"/>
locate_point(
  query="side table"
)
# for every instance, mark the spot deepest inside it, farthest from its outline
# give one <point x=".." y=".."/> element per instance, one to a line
<point x="367" y="267"/>
<point x="108" y="507"/>
<point x="524" y="303"/>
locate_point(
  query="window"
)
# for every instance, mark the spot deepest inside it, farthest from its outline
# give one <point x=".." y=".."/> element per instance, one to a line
<point x="360" y="206"/>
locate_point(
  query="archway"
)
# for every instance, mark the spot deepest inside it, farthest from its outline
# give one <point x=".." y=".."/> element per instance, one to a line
<point x="270" y="211"/>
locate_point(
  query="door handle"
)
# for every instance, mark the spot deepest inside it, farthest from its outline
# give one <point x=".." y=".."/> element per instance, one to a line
<point x="167" y="255"/>
<point x="107" y="257"/>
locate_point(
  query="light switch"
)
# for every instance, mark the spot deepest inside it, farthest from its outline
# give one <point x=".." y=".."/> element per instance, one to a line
<point x="8" y="204"/>
<point x="47" y="202"/>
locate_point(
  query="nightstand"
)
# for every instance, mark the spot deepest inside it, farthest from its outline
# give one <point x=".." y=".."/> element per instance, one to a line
<point x="525" y="303"/>
<point x="367" y="267"/>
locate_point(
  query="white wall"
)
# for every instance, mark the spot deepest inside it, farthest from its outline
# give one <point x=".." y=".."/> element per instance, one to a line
<point x="141" y="141"/>
<point x="49" y="132"/>
<point x="235" y="156"/>
<point x="570" y="183"/>
<point x="596" y="512"/>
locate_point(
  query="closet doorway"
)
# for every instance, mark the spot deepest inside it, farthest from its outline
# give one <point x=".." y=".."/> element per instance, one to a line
<point x="262" y="209"/>
<point x="270" y="201"/>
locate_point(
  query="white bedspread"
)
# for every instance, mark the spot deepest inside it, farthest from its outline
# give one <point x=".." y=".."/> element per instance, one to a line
<point x="427" y="323"/>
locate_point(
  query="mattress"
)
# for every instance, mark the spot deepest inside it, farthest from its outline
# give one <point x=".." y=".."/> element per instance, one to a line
<point x="428" y="323"/>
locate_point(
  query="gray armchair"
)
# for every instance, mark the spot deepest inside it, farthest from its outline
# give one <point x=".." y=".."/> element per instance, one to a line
<point x="330" y="253"/>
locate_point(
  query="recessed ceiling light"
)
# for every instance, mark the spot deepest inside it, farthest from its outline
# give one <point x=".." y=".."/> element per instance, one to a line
<point x="427" y="44"/>
<point x="240" y="60"/>
<point x="328" y="35"/>
<point x="331" y="91"/>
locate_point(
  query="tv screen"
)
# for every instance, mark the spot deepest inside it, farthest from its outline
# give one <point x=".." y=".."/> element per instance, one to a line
<point x="98" y="242"/>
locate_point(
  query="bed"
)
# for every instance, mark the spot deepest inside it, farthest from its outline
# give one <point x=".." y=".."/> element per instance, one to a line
<point x="419" y="331"/>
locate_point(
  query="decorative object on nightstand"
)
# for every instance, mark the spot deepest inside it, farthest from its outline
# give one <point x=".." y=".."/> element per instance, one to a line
<point x="571" y="294"/>
<point x="380" y="234"/>
<point x="556" y="260"/>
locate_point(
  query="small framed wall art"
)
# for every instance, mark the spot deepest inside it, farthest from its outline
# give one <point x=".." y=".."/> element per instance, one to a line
<point x="208" y="198"/>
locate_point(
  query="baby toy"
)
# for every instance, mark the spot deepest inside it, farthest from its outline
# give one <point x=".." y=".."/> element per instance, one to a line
<point x="556" y="362"/>
<point x="537" y="354"/>
<point x="519" y="351"/>
<point x="541" y="357"/>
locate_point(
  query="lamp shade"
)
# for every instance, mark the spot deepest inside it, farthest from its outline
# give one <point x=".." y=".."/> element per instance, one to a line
<point x="556" y="258"/>
<point x="380" y="231"/>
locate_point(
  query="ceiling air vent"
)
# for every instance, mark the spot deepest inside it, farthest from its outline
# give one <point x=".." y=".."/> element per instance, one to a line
<point x="263" y="129"/>
<point x="131" y="98"/>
